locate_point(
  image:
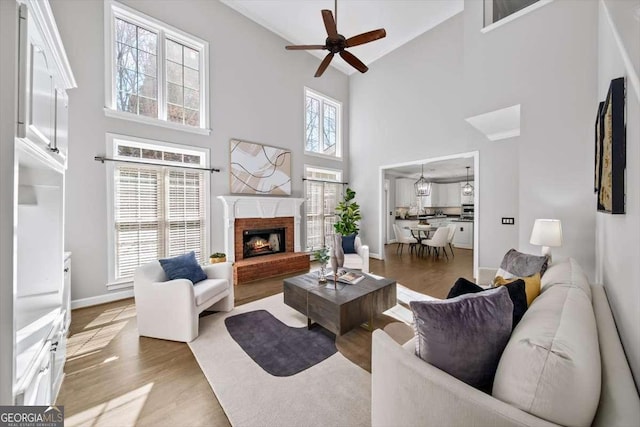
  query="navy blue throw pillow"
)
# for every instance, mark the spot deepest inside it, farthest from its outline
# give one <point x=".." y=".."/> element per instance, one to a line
<point x="183" y="267"/>
<point x="462" y="287"/>
<point x="349" y="244"/>
<point x="516" y="293"/>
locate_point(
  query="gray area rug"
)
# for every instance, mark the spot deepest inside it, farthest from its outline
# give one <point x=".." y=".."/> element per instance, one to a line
<point x="334" y="392"/>
<point x="279" y="349"/>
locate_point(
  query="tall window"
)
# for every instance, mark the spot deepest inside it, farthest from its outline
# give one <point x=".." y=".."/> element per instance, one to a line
<point x="322" y="119"/>
<point x="322" y="192"/>
<point x="156" y="71"/>
<point x="158" y="210"/>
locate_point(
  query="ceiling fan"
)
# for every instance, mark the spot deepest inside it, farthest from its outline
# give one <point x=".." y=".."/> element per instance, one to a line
<point x="337" y="43"/>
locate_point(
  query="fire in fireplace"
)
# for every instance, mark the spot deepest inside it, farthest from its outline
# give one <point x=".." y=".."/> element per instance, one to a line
<point x="263" y="242"/>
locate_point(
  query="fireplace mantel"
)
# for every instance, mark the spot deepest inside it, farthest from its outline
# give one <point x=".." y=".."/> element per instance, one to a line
<point x="258" y="207"/>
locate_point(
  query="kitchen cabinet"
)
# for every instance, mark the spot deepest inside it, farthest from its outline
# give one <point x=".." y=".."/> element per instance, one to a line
<point x="405" y="193"/>
<point x="445" y="195"/>
<point x="430" y="200"/>
<point x="463" y="238"/>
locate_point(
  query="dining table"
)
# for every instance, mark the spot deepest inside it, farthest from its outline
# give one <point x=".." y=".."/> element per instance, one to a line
<point x="422" y="232"/>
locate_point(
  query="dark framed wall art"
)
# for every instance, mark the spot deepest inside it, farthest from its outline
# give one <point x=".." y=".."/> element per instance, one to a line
<point x="610" y="150"/>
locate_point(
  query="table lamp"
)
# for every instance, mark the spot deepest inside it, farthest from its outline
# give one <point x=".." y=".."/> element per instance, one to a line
<point x="546" y="233"/>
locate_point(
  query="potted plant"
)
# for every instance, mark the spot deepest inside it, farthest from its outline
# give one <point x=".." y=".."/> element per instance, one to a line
<point x="217" y="257"/>
<point x="322" y="256"/>
<point x="348" y="213"/>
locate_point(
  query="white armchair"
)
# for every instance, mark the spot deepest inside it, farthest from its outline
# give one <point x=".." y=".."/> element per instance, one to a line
<point x="359" y="260"/>
<point x="169" y="309"/>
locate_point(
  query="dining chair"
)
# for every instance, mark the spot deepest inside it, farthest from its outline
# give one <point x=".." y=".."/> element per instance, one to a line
<point x="402" y="239"/>
<point x="452" y="232"/>
<point x="439" y="240"/>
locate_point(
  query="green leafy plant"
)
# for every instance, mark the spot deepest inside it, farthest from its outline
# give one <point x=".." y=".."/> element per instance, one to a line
<point x="348" y="213"/>
<point x="322" y="255"/>
<point x="218" y="255"/>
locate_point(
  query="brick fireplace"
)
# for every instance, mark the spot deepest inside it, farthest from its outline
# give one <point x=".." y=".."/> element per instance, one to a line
<point x="243" y="225"/>
<point x="263" y="217"/>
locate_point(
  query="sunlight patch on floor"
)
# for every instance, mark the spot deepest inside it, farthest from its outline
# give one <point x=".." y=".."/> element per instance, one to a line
<point x="120" y="411"/>
<point x="113" y="315"/>
<point x="95" y="339"/>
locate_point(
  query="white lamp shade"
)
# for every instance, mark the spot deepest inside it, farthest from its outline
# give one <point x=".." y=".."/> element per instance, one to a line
<point x="546" y="232"/>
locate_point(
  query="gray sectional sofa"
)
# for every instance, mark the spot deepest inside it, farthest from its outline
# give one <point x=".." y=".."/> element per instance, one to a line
<point x="563" y="365"/>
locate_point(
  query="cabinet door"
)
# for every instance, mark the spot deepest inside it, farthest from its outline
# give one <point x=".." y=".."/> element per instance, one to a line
<point x="58" y="357"/>
<point x="435" y="192"/>
<point x="464" y="235"/>
<point x="36" y="93"/>
<point x="400" y="193"/>
<point x="454" y="195"/>
<point x="66" y="293"/>
<point x="61" y="139"/>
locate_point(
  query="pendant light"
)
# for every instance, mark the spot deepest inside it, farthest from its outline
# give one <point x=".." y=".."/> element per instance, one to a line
<point x="422" y="186"/>
<point x="467" y="190"/>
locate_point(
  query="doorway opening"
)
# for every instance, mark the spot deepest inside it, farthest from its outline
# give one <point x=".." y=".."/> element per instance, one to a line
<point x="453" y="198"/>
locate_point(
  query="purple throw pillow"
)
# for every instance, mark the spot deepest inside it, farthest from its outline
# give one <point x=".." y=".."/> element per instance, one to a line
<point x="465" y="336"/>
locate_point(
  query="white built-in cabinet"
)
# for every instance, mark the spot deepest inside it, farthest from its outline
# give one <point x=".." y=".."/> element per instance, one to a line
<point x="40" y="288"/>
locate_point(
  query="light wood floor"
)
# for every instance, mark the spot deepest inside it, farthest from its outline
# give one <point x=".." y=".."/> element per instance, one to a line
<point x="115" y="378"/>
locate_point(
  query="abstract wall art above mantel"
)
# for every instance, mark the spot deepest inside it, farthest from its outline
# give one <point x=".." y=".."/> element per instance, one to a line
<point x="259" y="169"/>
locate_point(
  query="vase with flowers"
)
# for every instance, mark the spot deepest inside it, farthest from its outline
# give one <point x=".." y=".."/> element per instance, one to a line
<point x="322" y="256"/>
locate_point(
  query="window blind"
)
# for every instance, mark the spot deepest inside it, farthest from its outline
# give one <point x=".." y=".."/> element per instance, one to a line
<point x="159" y="212"/>
<point x="320" y="206"/>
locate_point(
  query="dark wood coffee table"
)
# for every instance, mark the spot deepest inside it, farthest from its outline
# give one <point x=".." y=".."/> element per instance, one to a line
<point x="342" y="309"/>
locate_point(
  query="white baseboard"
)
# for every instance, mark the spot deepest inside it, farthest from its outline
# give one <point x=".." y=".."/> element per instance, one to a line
<point x="374" y="255"/>
<point x="101" y="299"/>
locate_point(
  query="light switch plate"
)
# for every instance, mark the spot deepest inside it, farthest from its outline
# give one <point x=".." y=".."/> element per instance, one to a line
<point x="508" y="221"/>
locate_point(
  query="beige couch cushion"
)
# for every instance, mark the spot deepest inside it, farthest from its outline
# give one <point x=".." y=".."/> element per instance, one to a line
<point x="566" y="273"/>
<point x="551" y="365"/>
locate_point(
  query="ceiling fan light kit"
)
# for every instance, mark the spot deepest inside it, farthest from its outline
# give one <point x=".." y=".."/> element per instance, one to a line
<point x="337" y="43"/>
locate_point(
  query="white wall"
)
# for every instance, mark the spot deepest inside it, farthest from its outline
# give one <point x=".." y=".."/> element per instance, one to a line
<point x="618" y="236"/>
<point x="256" y="95"/>
<point x="8" y="119"/>
<point x="409" y="107"/>
<point x="413" y="102"/>
<point x="544" y="61"/>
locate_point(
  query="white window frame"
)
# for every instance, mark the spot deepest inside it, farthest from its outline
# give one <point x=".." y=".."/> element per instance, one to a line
<point x="112" y="141"/>
<point x="488" y="9"/>
<point x="307" y="168"/>
<point x="323" y="99"/>
<point x="113" y="10"/>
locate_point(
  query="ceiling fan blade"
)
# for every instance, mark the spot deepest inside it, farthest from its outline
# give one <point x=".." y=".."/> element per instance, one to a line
<point x="329" y="23"/>
<point x="324" y="64"/>
<point x="366" y="37"/>
<point x="304" y="47"/>
<point x="353" y="61"/>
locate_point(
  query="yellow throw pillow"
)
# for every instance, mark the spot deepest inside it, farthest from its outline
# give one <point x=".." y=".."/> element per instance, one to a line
<point x="531" y="285"/>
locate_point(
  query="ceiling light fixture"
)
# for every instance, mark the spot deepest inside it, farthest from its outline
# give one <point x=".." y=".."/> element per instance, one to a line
<point x="423" y="187"/>
<point x="467" y="190"/>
